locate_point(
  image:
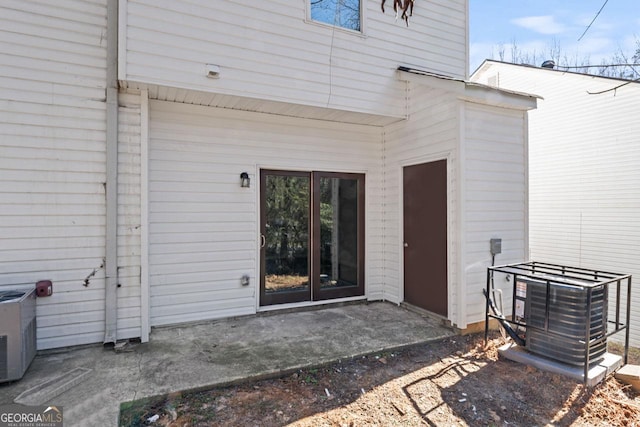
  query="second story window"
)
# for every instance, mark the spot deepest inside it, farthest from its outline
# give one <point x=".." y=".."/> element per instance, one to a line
<point x="341" y="13"/>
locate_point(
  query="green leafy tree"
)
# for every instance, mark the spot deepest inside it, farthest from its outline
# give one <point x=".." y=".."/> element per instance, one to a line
<point x="287" y="227"/>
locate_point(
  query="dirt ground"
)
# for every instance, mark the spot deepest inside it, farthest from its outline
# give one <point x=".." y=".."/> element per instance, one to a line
<point x="456" y="381"/>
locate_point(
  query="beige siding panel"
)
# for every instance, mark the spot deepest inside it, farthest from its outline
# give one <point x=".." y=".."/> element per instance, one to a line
<point x="204" y="227"/>
<point x="495" y="197"/>
<point x="268" y="50"/>
<point x="52" y="142"/>
<point x="431" y="133"/>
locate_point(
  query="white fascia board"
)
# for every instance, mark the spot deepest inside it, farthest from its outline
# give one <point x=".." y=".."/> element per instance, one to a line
<point x="469" y="91"/>
<point x="431" y="80"/>
<point x="487" y="95"/>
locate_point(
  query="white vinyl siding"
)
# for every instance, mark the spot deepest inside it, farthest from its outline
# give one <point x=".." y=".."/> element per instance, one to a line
<point x="267" y="50"/>
<point x="129" y="222"/>
<point x="431" y="133"/>
<point x="204" y="226"/>
<point x="495" y="197"/>
<point x="584" y="174"/>
<point x="52" y="161"/>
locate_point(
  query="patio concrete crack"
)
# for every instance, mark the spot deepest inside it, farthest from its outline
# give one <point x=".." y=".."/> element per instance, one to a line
<point x="135" y="392"/>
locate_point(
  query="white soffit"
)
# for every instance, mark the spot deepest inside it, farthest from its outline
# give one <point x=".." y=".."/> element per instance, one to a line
<point x="187" y="96"/>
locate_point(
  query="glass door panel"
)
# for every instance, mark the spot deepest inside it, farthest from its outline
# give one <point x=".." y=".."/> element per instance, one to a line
<point x="312" y="236"/>
<point x="285" y="228"/>
<point x="339" y="231"/>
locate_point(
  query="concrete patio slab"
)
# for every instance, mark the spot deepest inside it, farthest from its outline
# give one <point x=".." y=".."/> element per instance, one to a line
<point x="218" y="352"/>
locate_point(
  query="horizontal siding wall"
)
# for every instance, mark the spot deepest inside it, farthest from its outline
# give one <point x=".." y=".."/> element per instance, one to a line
<point x="584" y="174"/>
<point x="430" y="133"/>
<point x="268" y="50"/>
<point x="495" y="198"/>
<point x="204" y="227"/>
<point x="52" y="161"/>
<point x="129" y="222"/>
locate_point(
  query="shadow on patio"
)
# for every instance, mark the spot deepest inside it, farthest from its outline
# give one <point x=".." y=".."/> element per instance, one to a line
<point x="451" y="381"/>
<point x="217" y="352"/>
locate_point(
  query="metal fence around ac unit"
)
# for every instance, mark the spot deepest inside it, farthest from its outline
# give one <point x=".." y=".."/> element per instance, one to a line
<point x="563" y="313"/>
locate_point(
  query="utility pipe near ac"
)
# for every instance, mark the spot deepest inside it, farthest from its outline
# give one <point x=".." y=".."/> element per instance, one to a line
<point x="111" y="229"/>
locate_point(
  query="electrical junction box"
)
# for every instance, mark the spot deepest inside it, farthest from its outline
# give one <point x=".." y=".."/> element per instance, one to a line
<point x="44" y="288"/>
<point x="496" y="246"/>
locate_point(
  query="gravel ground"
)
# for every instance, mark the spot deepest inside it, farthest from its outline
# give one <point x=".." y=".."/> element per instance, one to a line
<point x="455" y="381"/>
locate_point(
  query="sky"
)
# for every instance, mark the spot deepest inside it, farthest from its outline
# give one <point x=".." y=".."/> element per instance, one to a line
<point x="538" y="25"/>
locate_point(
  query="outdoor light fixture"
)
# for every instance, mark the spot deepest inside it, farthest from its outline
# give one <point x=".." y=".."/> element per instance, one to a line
<point x="245" y="182"/>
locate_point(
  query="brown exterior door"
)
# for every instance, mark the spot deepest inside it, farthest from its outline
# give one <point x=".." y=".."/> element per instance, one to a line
<point x="425" y="236"/>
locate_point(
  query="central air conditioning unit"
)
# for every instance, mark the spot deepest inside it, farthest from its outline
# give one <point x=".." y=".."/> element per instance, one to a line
<point x="562" y="335"/>
<point x="17" y="332"/>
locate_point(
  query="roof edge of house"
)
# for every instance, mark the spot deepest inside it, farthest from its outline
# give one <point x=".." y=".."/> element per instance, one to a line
<point x="467" y="89"/>
<point x="482" y="68"/>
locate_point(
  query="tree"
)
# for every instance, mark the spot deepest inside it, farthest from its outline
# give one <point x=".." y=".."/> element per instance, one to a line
<point x="619" y="65"/>
<point x="287" y="225"/>
<point x="343" y="13"/>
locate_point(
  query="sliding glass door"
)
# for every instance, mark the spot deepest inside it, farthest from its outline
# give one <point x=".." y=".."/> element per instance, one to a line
<point x="339" y="235"/>
<point x="312" y="236"/>
<point x="286" y="237"/>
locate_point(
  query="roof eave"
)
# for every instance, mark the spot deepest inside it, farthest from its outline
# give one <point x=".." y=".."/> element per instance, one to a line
<point x="471" y="91"/>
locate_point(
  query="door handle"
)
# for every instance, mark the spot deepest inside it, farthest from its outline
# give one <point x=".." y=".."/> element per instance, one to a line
<point x="263" y="240"/>
<point x="406" y="245"/>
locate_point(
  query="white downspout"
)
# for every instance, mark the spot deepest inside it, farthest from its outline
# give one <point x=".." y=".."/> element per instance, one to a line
<point x="461" y="220"/>
<point x="111" y="257"/>
<point x="145" y="303"/>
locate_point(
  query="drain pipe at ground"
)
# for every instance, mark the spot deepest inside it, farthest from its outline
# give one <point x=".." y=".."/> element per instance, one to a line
<point x="111" y="229"/>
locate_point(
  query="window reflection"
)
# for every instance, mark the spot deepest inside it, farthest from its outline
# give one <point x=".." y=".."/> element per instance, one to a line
<point x="341" y="13"/>
<point x="286" y="233"/>
<point x="338" y="232"/>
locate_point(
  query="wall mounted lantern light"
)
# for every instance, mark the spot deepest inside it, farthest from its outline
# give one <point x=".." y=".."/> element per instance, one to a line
<point x="245" y="182"/>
